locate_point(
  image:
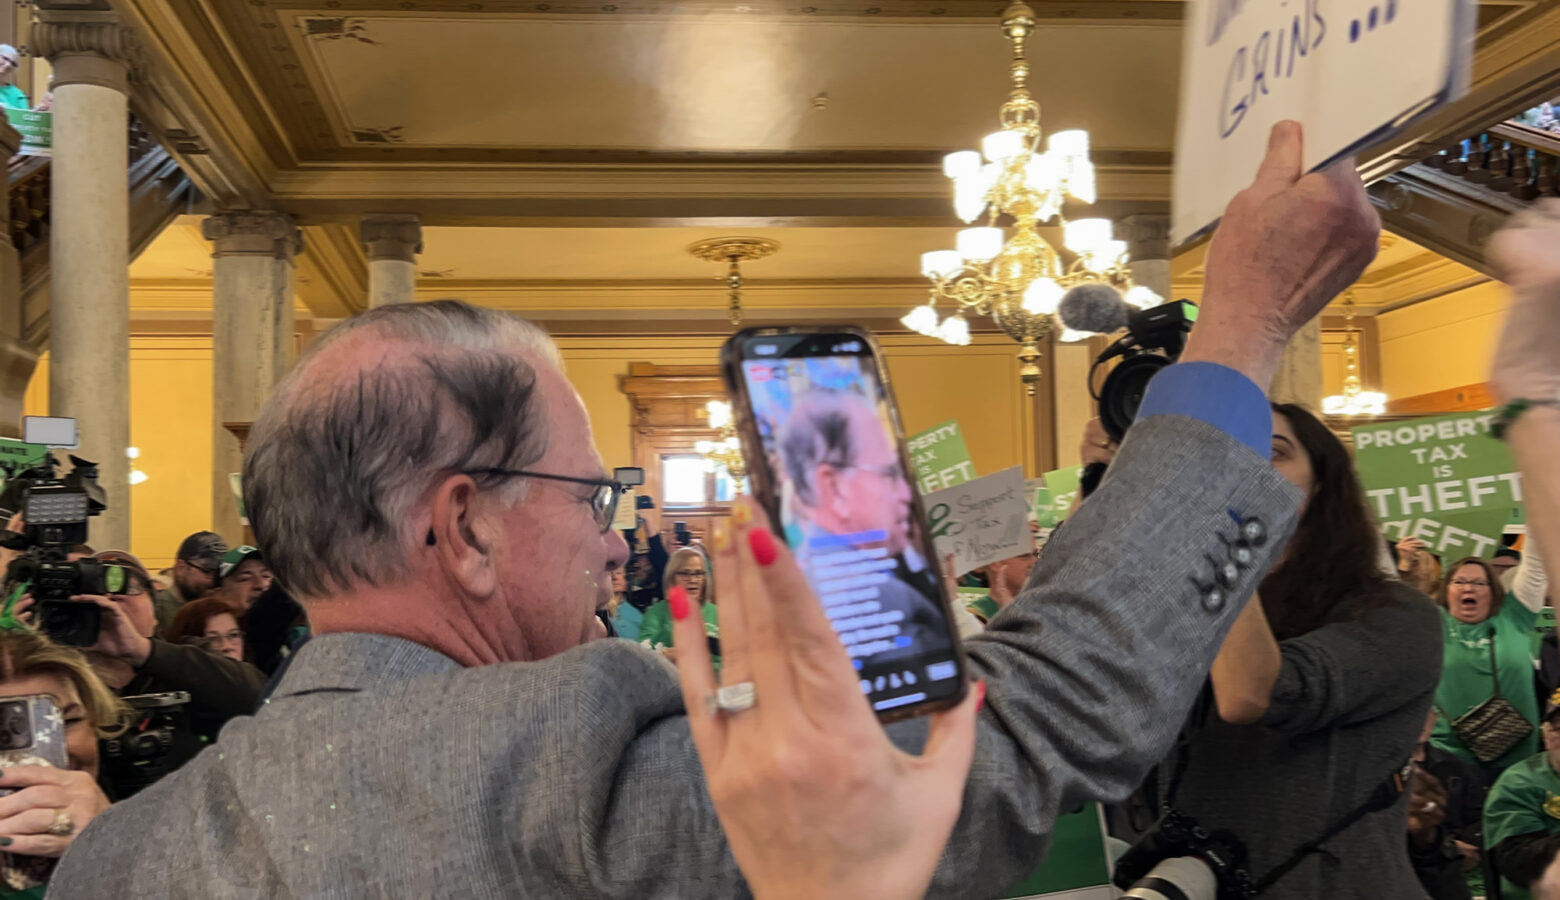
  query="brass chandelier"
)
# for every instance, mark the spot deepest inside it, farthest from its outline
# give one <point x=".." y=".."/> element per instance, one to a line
<point x="725" y="452"/>
<point x="1355" y="400"/>
<point x="1020" y="280"/>
<point x="733" y="251"/>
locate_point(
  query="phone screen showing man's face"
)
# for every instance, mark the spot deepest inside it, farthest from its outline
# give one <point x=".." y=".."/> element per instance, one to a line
<point x="847" y="509"/>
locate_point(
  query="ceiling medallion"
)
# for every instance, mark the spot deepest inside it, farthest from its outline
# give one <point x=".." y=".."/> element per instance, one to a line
<point x="733" y="251"/>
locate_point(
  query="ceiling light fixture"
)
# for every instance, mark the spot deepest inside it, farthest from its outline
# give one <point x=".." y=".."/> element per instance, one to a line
<point x="733" y="251"/>
<point x="1355" y="400"/>
<point x="1019" y="280"/>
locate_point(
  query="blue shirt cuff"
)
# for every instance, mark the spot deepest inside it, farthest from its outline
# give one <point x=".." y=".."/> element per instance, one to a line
<point x="1218" y="395"/>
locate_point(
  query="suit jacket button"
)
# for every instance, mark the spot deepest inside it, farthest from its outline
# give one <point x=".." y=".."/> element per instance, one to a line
<point x="1213" y="601"/>
<point x="1253" y="532"/>
<point x="1241" y="555"/>
<point x="1227" y="574"/>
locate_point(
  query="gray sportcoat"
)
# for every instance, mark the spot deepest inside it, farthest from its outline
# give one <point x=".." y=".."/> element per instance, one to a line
<point x="382" y="769"/>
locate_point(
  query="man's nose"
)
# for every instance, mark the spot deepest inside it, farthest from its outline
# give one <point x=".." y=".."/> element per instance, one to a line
<point x="617" y="550"/>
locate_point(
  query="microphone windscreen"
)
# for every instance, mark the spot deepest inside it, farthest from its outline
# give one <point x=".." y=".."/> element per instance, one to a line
<point x="1093" y="307"/>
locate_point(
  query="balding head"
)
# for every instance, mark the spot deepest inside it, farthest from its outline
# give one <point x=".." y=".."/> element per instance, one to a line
<point x="370" y="416"/>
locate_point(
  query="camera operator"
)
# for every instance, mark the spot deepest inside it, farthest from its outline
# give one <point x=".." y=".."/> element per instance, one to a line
<point x="133" y="662"/>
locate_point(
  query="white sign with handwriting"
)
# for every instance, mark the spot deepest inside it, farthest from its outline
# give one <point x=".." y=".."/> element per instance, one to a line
<point x="1350" y="71"/>
<point x="981" y="521"/>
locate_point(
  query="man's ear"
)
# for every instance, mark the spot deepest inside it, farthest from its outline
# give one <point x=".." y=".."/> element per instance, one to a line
<point x="461" y="536"/>
<point x="826" y="484"/>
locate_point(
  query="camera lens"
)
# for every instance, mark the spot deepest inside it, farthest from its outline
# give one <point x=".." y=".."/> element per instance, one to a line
<point x="1122" y="393"/>
<point x="14" y="727"/>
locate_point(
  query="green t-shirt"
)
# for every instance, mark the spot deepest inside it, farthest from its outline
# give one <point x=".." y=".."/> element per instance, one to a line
<point x="655" y="631"/>
<point x="12" y="97"/>
<point x="1466" y="681"/>
<point x="1525" y="800"/>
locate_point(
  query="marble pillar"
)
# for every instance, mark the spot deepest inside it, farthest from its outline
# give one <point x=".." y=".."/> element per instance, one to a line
<point x="252" y="336"/>
<point x="93" y="59"/>
<point x="1299" y="375"/>
<point x="1148" y="251"/>
<point x="18" y="359"/>
<point x="392" y="241"/>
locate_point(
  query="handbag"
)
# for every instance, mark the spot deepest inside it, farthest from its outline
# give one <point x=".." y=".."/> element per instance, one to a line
<point x="1492" y="728"/>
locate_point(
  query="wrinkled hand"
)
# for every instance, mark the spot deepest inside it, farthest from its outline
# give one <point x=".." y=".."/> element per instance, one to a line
<point x="1426" y="806"/>
<point x="41" y="793"/>
<point x="1096" y="445"/>
<point x="1527" y="254"/>
<point x="1287" y="245"/>
<point x="996" y="581"/>
<point x="814" y="799"/>
<point x="117" y="636"/>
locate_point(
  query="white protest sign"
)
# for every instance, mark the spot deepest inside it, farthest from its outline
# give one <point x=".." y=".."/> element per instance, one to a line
<point x="1350" y="71"/>
<point x="981" y="521"/>
<point x="626" y="516"/>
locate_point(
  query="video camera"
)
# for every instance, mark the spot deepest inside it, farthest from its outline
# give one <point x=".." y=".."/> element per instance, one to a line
<point x="1155" y="338"/>
<point x="54" y="513"/>
<point x="158" y="740"/>
<point x="1180" y="858"/>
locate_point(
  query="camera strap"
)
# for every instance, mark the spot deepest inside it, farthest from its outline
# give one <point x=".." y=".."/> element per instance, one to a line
<point x="1385" y="796"/>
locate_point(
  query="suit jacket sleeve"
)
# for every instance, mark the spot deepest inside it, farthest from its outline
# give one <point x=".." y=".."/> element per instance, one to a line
<point x="218" y="686"/>
<point x="1384" y="656"/>
<point x="1089" y="674"/>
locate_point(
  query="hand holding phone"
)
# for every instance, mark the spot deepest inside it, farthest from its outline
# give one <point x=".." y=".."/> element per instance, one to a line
<point x="825" y="451"/>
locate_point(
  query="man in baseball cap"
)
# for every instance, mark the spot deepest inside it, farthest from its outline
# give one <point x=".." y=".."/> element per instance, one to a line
<point x="195" y="574"/>
<point x="243" y="576"/>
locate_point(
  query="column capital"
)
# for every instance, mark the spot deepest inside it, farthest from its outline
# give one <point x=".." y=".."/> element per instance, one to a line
<point x="252" y="233"/>
<point x="392" y="236"/>
<point x="1147" y="236"/>
<point x="86" y="47"/>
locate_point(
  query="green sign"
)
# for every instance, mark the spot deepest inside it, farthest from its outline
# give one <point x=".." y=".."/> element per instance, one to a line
<point x="1076" y="866"/>
<point x="978" y="601"/>
<point x="1063" y="485"/>
<point x="16" y="456"/>
<point x="940" y="458"/>
<point x="1444" y="480"/>
<point x="36" y="129"/>
<point x="1541" y="627"/>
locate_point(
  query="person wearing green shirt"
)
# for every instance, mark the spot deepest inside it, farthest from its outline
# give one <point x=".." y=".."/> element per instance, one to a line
<point x="1481" y="624"/>
<point x="11" y="96"/>
<point x="1522" y="814"/>
<point x="689" y="569"/>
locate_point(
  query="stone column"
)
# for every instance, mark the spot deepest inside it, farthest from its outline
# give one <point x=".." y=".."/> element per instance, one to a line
<point x="252" y="335"/>
<point x="93" y="57"/>
<point x="392" y="241"/>
<point x="1148" y="249"/>
<point x="1299" y="376"/>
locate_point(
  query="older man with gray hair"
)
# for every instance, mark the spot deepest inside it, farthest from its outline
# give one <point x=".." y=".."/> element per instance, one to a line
<point x="11" y="96"/>
<point x="425" y="481"/>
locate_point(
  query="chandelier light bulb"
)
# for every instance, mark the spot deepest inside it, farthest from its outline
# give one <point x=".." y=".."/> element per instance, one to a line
<point x="1087" y="236"/>
<point x="955" y="330"/>
<point x="979" y="245"/>
<point x="1073" y="143"/>
<point x="1105" y="257"/>
<point x="921" y="320"/>
<point x="940" y="264"/>
<point x="1042" y="297"/>
<point x="1143" y="297"/>
<point x="1072" y="335"/>
<point x="137" y="476"/>
<point x="704" y="447"/>
<point x="961" y="163"/>
<point x="1003" y="145"/>
<point x="1080" y="181"/>
<point x="720" y="413"/>
<point x="1043" y="173"/>
<point x="969" y="196"/>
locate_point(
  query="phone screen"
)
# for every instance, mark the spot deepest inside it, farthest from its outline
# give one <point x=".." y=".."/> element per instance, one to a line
<point x="833" y="475"/>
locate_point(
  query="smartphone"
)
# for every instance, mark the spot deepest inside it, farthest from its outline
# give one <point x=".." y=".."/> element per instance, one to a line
<point x="825" y="452"/>
<point x="32" y="733"/>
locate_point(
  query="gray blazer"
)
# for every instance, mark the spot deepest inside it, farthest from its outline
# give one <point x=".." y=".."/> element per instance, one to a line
<point x="382" y="769"/>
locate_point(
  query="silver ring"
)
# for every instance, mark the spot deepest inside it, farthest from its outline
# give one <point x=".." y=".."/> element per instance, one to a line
<point x="1430" y="806"/>
<point x="731" y="698"/>
<point x="63" y="826"/>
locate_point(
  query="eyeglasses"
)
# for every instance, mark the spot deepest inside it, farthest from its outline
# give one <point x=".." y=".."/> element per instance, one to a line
<point x="603" y="501"/>
<point x="688" y="573"/>
<point x="131" y="590"/>
<point x="213" y="640"/>
<point x="892" y="472"/>
<point x="1464" y="582"/>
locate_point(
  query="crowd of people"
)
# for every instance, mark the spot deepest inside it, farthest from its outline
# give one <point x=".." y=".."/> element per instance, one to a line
<point x="1218" y="630"/>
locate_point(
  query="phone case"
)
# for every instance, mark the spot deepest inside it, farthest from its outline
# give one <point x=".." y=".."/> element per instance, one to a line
<point x="33" y="731"/>
<point x="762" y="485"/>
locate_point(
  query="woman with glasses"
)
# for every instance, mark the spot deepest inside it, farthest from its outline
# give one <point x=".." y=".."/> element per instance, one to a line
<point x="690" y="570"/>
<point x="1488" y="652"/>
<point x="211" y="623"/>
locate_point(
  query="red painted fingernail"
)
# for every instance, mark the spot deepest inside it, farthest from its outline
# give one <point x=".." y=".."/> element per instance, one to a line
<point x="763" y="546"/>
<point x="980" y="695"/>
<point x="677" y="599"/>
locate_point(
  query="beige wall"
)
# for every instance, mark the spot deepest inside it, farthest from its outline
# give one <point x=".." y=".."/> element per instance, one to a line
<point x="976" y="385"/>
<point x="1443" y="343"/>
<point x="170" y="422"/>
